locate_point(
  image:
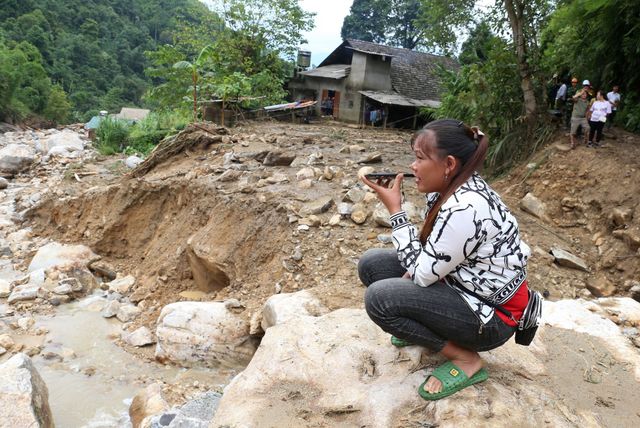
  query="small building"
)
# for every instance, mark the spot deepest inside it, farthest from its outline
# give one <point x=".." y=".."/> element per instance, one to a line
<point x="371" y="84"/>
<point x="132" y="114"/>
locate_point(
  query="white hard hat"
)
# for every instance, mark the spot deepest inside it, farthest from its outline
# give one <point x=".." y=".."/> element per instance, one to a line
<point x="586" y="83"/>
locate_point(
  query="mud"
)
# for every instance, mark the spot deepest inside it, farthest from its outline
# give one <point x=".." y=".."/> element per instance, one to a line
<point x="183" y="232"/>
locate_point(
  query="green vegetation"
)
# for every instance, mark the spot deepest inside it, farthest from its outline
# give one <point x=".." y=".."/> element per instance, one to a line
<point x="115" y="136"/>
<point x="65" y="60"/>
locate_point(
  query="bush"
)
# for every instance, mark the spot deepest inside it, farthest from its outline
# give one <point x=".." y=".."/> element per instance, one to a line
<point x="144" y="143"/>
<point x="112" y="136"/>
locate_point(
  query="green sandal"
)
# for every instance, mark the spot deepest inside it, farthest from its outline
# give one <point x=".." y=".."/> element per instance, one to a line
<point x="399" y="343"/>
<point x="453" y="380"/>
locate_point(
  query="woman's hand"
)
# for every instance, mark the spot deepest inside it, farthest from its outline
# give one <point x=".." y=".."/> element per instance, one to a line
<point x="391" y="197"/>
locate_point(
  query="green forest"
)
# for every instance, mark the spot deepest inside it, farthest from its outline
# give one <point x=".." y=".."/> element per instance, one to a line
<point x="63" y="60"/>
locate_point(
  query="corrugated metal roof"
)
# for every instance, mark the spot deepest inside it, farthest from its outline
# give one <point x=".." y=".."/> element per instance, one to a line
<point x="393" y="98"/>
<point x="333" y="71"/>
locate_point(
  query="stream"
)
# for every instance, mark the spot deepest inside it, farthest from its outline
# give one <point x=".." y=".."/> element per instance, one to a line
<point x="91" y="380"/>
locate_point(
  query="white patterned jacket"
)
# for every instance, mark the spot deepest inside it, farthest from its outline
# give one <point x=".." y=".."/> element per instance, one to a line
<point x="475" y="243"/>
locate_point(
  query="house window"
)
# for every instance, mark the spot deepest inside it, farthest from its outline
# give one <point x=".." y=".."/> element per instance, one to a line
<point x="350" y="103"/>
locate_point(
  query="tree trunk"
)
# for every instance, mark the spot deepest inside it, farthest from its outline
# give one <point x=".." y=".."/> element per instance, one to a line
<point x="195" y="97"/>
<point x="515" y="9"/>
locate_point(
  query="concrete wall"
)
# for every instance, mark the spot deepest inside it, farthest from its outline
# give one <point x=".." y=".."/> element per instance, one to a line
<point x="368" y="72"/>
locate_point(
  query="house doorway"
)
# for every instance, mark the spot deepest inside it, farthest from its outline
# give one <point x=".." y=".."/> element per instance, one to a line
<point x="330" y="103"/>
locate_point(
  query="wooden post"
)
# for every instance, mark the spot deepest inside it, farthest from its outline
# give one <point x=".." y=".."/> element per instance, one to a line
<point x="415" y="118"/>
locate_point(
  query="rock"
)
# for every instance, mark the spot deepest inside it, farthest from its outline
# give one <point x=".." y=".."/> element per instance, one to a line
<point x="63" y="289"/>
<point x="364" y="171"/>
<point x="128" y="313"/>
<point x="535" y="207"/>
<point x="4" y="183"/>
<point x="61" y="256"/>
<point x="15" y="158"/>
<point x="140" y="337"/>
<point x="312" y="220"/>
<point x="278" y="159"/>
<point x="381" y="217"/>
<point x="229" y="175"/>
<point x="384" y="238"/>
<point x="203" y="333"/>
<point x="566" y="259"/>
<point x="543" y="255"/>
<point x="65" y="141"/>
<point x="278" y="178"/>
<point x="283" y="307"/>
<point x="335" y="220"/>
<point x="6" y="341"/>
<point x="359" y="214"/>
<point x="343" y="371"/>
<point x="375" y="157"/>
<point x="305" y="173"/>
<point x="24" y="398"/>
<point x="620" y="216"/>
<point x="354" y="195"/>
<point x="24" y="292"/>
<point x="111" y="309"/>
<point x="5" y="288"/>
<point x="122" y="285"/>
<point x="635" y="292"/>
<point x="305" y="184"/>
<point x="102" y="269"/>
<point x="146" y="404"/>
<point x="345" y="209"/>
<point x="600" y="286"/>
<point x="630" y="236"/>
<point x="133" y="161"/>
<point x="318" y="206"/>
<point x="2" y="351"/>
<point x="197" y="413"/>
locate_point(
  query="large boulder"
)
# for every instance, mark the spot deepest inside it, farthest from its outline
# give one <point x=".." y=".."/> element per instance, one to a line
<point x="61" y="255"/>
<point x="284" y="307"/>
<point x="15" y="158"/>
<point x="24" y="399"/>
<point x="203" y="333"/>
<point x="64" y="143"/>
<point x="341" y="370"/>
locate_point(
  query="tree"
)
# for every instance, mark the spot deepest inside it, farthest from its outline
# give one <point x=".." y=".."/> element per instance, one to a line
<point x="194" y="69"/>
<point x="476" y="48"/>
<point x="387" y="22"/>
<point x="247" y="42"/>
<point x="58" y="106"/>
<point x="275" y="25"/>
<point x="522" y="19"/>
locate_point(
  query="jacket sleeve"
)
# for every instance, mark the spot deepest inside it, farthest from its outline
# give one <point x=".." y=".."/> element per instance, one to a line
<point x="455" y="236"/>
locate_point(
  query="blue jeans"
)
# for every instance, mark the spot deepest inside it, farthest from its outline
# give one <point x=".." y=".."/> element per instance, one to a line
<point x="427" y="316"/>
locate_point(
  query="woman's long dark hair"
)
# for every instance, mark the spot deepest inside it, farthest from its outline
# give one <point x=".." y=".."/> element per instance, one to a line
<point x="460" y="141"/>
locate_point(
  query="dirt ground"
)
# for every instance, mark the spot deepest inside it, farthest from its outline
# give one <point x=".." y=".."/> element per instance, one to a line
<point x="146" y="226"/>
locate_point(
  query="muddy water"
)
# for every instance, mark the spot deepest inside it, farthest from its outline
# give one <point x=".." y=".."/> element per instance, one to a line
<point x="91" y="380"/>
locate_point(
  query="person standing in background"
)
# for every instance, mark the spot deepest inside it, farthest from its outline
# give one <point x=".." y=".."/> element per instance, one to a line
<point x="600" y="109"/>
<point x="614" y="99"/>
<point x="561" y="97"/>
<point x="571" y="92"/>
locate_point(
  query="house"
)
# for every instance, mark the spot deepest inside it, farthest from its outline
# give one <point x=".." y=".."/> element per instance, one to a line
<point x="132" y="114"/>
<point x="367" y="83"/>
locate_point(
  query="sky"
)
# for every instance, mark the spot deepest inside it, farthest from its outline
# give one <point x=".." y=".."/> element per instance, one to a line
<point x="325" y="36"/>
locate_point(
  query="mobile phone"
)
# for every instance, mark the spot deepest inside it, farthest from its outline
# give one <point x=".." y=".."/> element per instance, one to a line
<point x="379" y="175"/>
